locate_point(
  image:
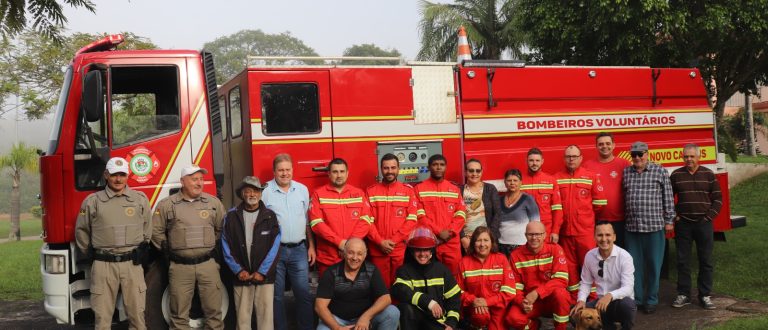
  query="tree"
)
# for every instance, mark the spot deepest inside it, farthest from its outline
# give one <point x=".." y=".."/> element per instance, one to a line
<point x="488" y="24"/>
<point x="727" y="40"/>
<point x="368" y="50"/>
<point x="231" y="52"/>
<point x="21" y="158"/>
<point x="47" y="16"/>
<point x="32" y="68"/>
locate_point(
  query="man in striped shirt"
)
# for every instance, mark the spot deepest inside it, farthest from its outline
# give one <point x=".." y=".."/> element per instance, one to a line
<point x="698" y="202"/>
<point x="649" y="212"/>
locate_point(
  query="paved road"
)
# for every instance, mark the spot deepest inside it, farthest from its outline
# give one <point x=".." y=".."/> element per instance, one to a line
<point x="31" y="315"/>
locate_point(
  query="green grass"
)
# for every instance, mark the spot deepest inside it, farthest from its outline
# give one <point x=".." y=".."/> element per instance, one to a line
<point x="744" y="323"/>
<point x="29" y="227"/>
<point x="740" y="261"/>
<point x="749" y="159"/>
<point x="20" y="271"/>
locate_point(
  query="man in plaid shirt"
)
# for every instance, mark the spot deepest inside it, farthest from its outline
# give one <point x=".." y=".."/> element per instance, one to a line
<point x="649" y="212"/>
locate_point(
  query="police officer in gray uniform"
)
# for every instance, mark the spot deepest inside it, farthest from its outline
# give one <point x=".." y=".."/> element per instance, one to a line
<point x="112" y="229"/>
<point x="186" y="226"/>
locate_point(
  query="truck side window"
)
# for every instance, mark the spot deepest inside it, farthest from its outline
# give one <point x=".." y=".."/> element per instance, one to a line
<point x="290" y="108"/>
<point x="144" y="102"/>
<point x="235" y="112"/>
<point x="223" y="115"/>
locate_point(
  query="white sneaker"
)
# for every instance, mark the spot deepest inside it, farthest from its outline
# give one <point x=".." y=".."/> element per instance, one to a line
<point x="681" y="301"/>
<point x="706" y="302"/>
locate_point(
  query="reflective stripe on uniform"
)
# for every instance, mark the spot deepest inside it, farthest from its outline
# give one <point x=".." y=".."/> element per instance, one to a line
<point x="460" y="214"/>
<point x="314" y="222"/>
<point x="557" y="207"/>
<point x="452" y="292"/>
<point x="574" y="181"/>
<point x="534" y="186"/>
<point x="560" y="318"/>
<point x="600" y="202"/>
<point x="444" y="194"/>
<point x="480" y="272"/>
<point x="507" y="289"/>
<point x="415" y="298"/>
<point x="374" y="199"/>
<point x="562" y="275"/>
<point x="341" y="201"/>
<point x="574" y="287"/>
<point x="534" y="262"/>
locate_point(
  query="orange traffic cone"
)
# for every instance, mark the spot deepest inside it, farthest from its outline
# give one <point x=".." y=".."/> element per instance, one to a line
<point x="464" y="53"/>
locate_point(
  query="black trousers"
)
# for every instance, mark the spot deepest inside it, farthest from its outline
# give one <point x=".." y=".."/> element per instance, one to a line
<point x="686" y="233"/>
<point x="411" y="317"/>
<point x="622" y="311"/>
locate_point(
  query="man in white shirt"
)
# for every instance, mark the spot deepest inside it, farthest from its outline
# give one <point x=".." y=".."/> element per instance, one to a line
<point x="611" y="269"/>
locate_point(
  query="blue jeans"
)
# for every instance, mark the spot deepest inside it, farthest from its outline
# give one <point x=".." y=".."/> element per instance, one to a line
<point x="387" y="319"/>
<point x="647" y="251"/>
<point x="294" y="264"/>
<point x="622" y="311"/>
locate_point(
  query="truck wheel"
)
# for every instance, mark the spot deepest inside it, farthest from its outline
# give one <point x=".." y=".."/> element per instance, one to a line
<point x="157" y="313"/>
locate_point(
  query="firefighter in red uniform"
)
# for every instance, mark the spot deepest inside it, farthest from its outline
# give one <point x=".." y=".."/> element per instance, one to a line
<point x="541" y="274"/>
<point x="543" y="188"/>
<point x="442" y="210"/>
<point x="393" y="214"/>
<point x="486" y="280"/>
<point x="582" y="194"/>
<point x="338" y="211"/>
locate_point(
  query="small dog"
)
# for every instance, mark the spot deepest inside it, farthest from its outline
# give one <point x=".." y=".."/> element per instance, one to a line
<point x="588" y="319"/>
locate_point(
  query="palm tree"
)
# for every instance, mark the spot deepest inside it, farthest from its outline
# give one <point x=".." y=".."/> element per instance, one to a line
<point x="20" y="158"/>
<point x="488" y="23"/>
<point x="47" y="16"/>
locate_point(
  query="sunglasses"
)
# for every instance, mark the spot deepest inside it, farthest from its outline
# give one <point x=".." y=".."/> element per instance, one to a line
<point x="474" y="170"/>
<point x="637" y="154"/>
<point x="600" y="271"/>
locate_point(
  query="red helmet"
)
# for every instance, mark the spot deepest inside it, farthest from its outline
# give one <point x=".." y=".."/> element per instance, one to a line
<point x="422" y="238"/>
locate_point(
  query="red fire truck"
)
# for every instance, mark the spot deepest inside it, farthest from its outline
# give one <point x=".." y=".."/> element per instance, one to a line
<point x="162" y="110"/>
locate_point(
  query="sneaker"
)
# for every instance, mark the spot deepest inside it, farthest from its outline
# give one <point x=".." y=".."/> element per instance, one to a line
<point x="681" y="301"/>
<point x="650" y="309"/>
<point x="706" y="302"/>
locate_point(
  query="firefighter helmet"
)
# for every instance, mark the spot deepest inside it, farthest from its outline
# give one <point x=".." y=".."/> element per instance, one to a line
<point x="422" y="238"/>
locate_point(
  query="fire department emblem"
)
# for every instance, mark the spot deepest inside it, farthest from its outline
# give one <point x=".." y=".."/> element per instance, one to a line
<point x="450" y="207"/>
<point x="599" y="188"/>
<point x="583" y="192"/>
<point x="548" y="275"/>
<point x="355" y="213"/>
<point x="143" y="163"/>
<point x="204" y="214"/>
<point x="545" y="197"/>
<point x="561" y="260"/>
<point x="614" y="174"/>
<point x="400" y="212"/>
<point x="496" y="286"/>
<point x="129" y="211"/>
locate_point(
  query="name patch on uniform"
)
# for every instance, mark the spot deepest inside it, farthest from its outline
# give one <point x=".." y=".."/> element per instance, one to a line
<point x="266" y="232"/>
<point x="204" y="214"/>
<point x="129" y="211"/>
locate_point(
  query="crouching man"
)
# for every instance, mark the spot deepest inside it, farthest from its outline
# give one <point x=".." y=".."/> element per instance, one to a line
<point x="251" y="242"/>
<point x="352" y="294"/>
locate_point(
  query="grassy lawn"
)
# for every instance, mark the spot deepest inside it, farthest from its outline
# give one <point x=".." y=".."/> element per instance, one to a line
<point x="20" y="271"/>
<point x="29" y="226"/>
<point x="749" y="159"/>
<point x="744" y="323"/>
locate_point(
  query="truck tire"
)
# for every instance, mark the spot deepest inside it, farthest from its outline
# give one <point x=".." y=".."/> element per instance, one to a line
<point x="156" y="313"/>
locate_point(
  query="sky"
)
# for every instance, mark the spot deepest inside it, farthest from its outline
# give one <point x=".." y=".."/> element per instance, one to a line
<point x="328" y="26"/>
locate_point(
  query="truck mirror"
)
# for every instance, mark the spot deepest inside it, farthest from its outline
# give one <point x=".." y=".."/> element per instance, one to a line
<point x="93" y="97"/>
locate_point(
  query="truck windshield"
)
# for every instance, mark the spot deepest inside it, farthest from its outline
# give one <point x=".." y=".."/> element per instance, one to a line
<point x="53" y="140"/>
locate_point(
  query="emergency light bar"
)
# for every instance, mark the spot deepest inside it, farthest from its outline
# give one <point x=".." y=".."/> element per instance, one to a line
<point x="107" y="43"/>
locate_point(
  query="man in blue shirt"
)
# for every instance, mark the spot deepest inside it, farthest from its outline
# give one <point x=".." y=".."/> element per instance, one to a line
<point x="290" y="201"/>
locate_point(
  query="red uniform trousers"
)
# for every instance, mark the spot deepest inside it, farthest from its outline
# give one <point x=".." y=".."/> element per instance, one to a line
<point x="491" y="321"/>
<point x="388" y="265"/>
<point x="442" y="208"/>
<point x="557" y="304"/>
<point x="575" y="248"/>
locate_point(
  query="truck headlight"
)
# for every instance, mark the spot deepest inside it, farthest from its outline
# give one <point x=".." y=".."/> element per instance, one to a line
<point x="55" y="264"/>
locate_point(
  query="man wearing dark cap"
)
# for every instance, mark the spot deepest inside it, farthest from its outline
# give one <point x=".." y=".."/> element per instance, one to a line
<point x="250" y="242"/>
<point x="649" y="212"/>
<point x="112" y="225"/>
<point x="186" y="226"/>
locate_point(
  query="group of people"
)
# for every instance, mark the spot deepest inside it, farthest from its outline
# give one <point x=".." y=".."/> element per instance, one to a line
<point x="433" y="256"/>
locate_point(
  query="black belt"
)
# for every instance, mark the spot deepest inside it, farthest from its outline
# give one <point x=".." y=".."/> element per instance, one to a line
<point x="109" y="257"/>
<point x="293" y="245"/>
<point x="190" y="261"/>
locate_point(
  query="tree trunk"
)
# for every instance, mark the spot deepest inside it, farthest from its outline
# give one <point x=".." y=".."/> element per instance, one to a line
<point x="750" y="125"/>
<point x="15" y="232"/>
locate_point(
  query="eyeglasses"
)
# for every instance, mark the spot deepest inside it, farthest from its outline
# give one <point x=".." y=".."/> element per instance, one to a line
<point x="474" y="170"/>
<point x="600" y="271"/>
<point x="637" y="154"/>
<point x="534" y="234"/>
<point x="572" y="156"/>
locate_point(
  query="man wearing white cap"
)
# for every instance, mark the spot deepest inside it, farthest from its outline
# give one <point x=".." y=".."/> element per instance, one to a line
<point x="186" y="227"/>
<point x="112" y="228"/>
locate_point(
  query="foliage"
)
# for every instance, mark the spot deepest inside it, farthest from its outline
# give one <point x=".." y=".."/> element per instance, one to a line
<point x="34" y="68"/>
<point x="759" y="159"/>
<point x="231" y="52"/>
<point x="369" y="50"/>
<point x="20" y="271"/>
<point x="36" y="211"/>
<point x="726" y="143"/>
<point x="727" y="40"/>
<point x="488" y="24"/>
<point x="732" y="132"/>
<point x="21" y="158"/>
<point x="744" y="323"/>
<point x="47" y="16"/>
<point x="29" y="188"/>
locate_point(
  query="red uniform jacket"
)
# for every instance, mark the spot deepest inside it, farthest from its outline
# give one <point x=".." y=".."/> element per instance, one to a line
<point x="582" y="194"/>
<point x="543" y="187"/>
<point x="393" y="214"/>
<point x="441" y="207"/>
<point x="543" y="272"/>
<point x="491" y="279"/>
<point x="337" y="216"/>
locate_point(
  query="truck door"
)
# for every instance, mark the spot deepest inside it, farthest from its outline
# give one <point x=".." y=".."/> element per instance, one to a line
<point x="292" y="115"/>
